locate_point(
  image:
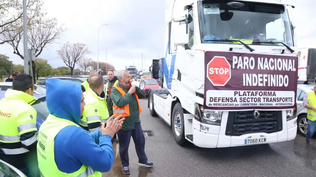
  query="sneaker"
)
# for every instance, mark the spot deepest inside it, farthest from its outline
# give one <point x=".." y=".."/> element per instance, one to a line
<point x="147" y="164"/>
<point x="116" y="138"/>
<point x="125" y="170"/>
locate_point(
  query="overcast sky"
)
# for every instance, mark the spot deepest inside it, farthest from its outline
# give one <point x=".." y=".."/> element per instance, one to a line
<point x="135" y="27"/>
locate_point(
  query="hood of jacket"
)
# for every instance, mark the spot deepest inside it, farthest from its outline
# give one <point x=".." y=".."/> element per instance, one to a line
<point x="63" y="99"/>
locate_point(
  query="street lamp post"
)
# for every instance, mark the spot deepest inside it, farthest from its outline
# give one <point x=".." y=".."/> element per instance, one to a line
<point x="98" y="64"/>
<point x="25" y="40"/>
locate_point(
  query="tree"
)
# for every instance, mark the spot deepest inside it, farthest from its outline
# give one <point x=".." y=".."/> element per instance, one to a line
<point x="42" y="68"/>
<point x="11" y="11"/>
<point x="84" y="64"/>
<point x="19" y="68"/>
<point x="42" y="31"/>
<point x="77" y="72"/>
<point x="5" y="66"/>
<point x="61" y="71"/>
<point x="103" y="66"/>
<point x="71" y="54"/>
<point x="93" y="65"/>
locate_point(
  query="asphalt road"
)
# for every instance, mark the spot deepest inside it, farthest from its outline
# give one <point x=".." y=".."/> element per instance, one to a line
<point x="288" y="159"/>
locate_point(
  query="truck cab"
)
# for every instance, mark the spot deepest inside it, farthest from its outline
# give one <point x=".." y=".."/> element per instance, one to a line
<point x="229" y="73"/>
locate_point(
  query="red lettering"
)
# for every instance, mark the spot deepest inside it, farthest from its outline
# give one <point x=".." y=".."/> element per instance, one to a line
<point x="4" y="114"/>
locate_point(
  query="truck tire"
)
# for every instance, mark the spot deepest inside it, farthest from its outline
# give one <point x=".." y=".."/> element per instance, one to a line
<point x="177" y="124"/>
<point x="151" y="104"/>
<point x="302" y="124"/>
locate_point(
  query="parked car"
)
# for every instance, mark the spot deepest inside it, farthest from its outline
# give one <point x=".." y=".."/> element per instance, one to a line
<point x="5" y="86"/>
<point x="39" y="105"/>
<point x="8" y="170"/>
<point x="302" y="91"/>
<point x="148" y="83"/>
<point x="40" y="89"/>
<point x="8" y="85"/>
<point x="42" y="81"/>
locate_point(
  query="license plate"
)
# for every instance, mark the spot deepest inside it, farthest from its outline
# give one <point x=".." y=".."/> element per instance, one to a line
<point x="255" y="140"/>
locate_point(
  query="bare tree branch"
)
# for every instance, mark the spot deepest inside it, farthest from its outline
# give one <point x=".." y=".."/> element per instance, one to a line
<point x="84" y="63"/>
<point x="41" y="31"/>
<point x="71" y="54"/>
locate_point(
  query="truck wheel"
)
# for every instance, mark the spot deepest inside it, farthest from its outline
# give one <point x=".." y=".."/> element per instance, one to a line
<point x="151" y="104"/>
<point x="177" y="124"/>
<point x="302" y="125"/>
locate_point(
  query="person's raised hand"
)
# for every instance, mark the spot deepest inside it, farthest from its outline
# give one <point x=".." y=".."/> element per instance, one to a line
<point x="113" y="125"/>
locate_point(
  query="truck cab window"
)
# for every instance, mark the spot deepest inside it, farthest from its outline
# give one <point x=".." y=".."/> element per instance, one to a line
<point x="190" y="29"/>
<point x="253" y="23"/>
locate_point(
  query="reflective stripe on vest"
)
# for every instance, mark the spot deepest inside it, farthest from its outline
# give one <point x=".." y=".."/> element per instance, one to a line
<point x="124" y="111"/>
<point x="95" y="111"/>
<point x="88" y="173"/>
<point x="45" y="150"/>
<point x="93" y="119"/>
<point x="311" y="115"/>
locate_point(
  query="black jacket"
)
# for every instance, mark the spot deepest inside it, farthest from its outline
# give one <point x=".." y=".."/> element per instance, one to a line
<point x="108" y="99"/>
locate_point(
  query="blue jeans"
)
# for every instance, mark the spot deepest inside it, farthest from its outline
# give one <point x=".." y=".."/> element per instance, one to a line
<point x="311" y="129"/>
<point x="139" y="140"/>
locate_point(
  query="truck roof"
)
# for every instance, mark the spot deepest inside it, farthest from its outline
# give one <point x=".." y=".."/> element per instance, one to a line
<point x="269" y="2"/>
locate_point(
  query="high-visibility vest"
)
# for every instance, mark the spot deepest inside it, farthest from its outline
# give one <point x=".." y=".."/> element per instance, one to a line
<point x="85" y="84"/>
<point x="95" y="112"/>
<point x="106" y="87"/>
<point x="46" y="150"/>
<point x="17" y="117"/>
<point x="124" y="111"/>
<point x="311" y="115"/>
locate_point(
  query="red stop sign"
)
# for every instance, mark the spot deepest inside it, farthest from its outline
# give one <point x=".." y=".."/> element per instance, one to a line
<point x="218" y="71"/>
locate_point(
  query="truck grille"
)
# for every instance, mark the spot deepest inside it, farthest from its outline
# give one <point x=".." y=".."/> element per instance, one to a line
<point x="244" y="122"/>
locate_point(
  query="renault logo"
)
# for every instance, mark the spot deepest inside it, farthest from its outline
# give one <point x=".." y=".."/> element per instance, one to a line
<point x="256" y="114"/>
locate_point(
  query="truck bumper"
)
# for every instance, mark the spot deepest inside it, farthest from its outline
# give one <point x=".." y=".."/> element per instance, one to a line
<point x="204" y="136"/>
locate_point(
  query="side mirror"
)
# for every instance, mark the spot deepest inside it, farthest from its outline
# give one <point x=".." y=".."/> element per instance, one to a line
<point x="181" y="35"/>
<point x="179" y="19"/>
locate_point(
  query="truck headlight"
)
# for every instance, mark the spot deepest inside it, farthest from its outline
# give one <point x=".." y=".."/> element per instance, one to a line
<point x="207" y="116"/>
<point x="290" y="114"/>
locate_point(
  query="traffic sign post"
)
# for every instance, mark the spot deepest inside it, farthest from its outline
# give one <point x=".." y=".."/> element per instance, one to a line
<point x="218" y="71"/>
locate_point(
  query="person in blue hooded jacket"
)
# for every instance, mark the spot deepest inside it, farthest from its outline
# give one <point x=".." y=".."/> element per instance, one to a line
<point x="64" y="148"/>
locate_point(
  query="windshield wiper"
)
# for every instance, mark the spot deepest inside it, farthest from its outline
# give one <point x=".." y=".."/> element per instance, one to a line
<point x="271" y="42"/>
<point x="230" y="40"/>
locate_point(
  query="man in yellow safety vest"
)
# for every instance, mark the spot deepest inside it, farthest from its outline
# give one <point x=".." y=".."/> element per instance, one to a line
<point x="96" y="110"/>
<point x="18" y="131"/>
<point x="309" y="103"/>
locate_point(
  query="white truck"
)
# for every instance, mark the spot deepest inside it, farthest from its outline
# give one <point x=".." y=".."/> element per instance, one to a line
<point x="229" y="73"/>
<point x="307" y="65"/>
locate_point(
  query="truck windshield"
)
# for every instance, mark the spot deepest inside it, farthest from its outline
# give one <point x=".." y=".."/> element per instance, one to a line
<point x="252" y="23"/>
<point x="132" y="71"/>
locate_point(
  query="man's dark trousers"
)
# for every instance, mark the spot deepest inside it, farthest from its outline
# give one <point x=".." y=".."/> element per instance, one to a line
<point x="139" y="140"/>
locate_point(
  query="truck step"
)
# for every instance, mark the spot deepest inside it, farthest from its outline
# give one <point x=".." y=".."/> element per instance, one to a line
<point x="190" y="137"/>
